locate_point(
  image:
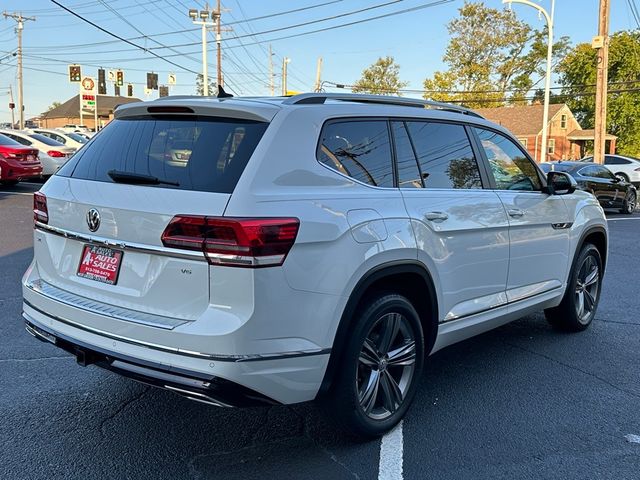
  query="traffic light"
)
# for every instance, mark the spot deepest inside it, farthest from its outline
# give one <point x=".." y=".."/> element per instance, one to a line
<point x="164" y="91"/>
<point x="120" y="78"/>
<point x="102" y="84"/>
<point x="116" y="90"/>
<point x="129" y="90"/>
<point x="75" y="75"/>
<point x="152" y="81"/>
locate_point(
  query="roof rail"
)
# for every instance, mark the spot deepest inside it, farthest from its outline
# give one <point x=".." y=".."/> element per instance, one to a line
<point x="320" y="98"/>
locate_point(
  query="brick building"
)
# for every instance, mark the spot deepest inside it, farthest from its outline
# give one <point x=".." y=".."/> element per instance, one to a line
<point x="567" y="140"/>
<point x="69" y="112"/>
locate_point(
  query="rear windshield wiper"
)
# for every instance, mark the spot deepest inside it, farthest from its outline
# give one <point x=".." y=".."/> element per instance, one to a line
<point x="138" y="178"/>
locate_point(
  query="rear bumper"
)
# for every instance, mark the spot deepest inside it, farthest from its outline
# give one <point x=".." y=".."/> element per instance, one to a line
<point x="17" y="171"/>
<point x="291" y="377"/>
<point x="193" y="385"/>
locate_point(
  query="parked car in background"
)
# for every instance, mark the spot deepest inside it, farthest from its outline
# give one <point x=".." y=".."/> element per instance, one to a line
<point x="623" y="167"/>
<point x="53" y="155"/>
<point x="610" y="190"/>
<point x="72" y="127"/>
<point x="17" y="162"/>
<point x="69" y="139"/>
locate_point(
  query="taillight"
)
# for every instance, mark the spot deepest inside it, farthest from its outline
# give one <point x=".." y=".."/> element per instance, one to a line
<point x="55" y="154"/>
<point x="10" y="155"/>
<point x="40" y="211"/>
<point x="240" y="242"/>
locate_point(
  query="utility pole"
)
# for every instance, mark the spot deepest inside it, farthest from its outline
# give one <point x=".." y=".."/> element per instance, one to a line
<point x="271" y="75"/>
<point x="203" y="15"/>
<point x="20" y="19"/>
<point x="316" y="87"/>
<point x="13" y="120"/>
<point x="601" y="43"/>
<point x="285" y="62"/>
<point x="218" y="17"/>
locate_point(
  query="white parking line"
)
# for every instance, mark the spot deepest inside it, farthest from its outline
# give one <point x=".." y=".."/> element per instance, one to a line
<point x="16" y="193"/>
<point x="391" y="453"/>
<point x="622" y="218"/>
<point x="631" y="438"/>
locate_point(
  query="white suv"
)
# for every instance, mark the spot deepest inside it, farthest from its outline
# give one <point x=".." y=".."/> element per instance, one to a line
<point x="241" y="251"/>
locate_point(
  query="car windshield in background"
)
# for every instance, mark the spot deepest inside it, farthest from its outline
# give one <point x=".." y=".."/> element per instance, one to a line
<point x="556" y="167"/>
<point x="46" y="140"/>
<point x="77" y="138"/>
<point x="4" y="140"/>
<point x="204" y="154"/>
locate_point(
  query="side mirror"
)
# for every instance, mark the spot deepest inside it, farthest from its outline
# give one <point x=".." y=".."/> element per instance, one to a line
<point x="560" y="183"/>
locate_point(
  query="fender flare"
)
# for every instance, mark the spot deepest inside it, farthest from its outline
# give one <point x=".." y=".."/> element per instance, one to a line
<point x="357" y="294"/>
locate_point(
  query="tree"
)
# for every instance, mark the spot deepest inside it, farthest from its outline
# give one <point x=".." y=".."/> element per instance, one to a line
<point x="578" y="78"/>
<point x="200" y="85"/>
<point x="382" y="78"/>
<point x="55" y="104"/>
<point x="491" y="55"/>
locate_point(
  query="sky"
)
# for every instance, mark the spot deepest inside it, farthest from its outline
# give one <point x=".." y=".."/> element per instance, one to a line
<point x="416" y="39"/>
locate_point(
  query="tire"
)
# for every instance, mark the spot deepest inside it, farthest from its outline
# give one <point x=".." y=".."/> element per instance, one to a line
<point x="580" y="302"/>
<point x="8" y="183"/>
<point x="373" y="390"/>
<point x="630" y="201"/>
<point x="622" y="176"/>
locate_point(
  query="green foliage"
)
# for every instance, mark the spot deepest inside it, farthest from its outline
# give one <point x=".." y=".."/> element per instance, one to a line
<point x="53" y="105"/>
<point x="623" y="116"/>
<point x="200" y="86"/>
<point x="491" y="55"/>
<point x="382" y="78"/>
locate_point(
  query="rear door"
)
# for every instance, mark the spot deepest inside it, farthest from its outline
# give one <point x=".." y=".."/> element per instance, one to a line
<point x="103" y="236"/>
<point x="461" y="228"/>
<point x="538" y="222"/>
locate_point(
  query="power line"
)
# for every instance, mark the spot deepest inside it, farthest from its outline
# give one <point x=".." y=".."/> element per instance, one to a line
<point x="122" y="39"/>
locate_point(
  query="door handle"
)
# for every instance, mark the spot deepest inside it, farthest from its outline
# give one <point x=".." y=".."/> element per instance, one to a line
<point x="515" y="212"/>
<point x="436" y="216"/>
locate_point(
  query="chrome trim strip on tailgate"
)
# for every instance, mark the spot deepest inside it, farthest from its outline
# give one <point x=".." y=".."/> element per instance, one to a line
<point x="178" y="351"/>
<point x="128" y="246"/>
<point x="113" y="311"/>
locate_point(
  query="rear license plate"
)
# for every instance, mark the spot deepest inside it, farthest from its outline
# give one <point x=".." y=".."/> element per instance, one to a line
<point x="101" y="264"/>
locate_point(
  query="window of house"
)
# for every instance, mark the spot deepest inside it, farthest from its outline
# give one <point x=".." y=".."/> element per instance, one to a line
<point x="358" y="149"/>
<point x="551" y="149"/>
<point x="563" y="121"/>
<point x="523" y="141"/>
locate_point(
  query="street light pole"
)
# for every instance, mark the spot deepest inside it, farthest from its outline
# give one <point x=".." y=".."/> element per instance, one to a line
<point x="194" y="14"/>
<point x="285" y="62"/>
<point x="547" y="83"/>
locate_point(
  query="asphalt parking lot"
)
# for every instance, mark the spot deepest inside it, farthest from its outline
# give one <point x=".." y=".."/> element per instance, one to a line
<point x="522" y="401"/>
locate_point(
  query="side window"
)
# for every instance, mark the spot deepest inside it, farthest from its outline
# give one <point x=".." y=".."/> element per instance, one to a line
<point x="358" y="149"/>
<point x="408" y="173"/>
<point x="611" y="160"/>
<point x="58" y="138"/>
<point x="445" y="155"/>
<point x="510" y="167"/>
<point x="602" y="172"/>
<point x="21" y="140"/>
<point x="588" y="171"/>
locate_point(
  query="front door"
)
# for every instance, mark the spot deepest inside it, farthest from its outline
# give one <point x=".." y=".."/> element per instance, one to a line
<point x="538" y="223"/>
<point x="461" y="229"/>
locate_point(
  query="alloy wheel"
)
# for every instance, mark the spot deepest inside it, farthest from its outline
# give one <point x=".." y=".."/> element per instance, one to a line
<point x="587" y="285"/>
<point x="631" y="202"/>
<point x="386" y="366"/>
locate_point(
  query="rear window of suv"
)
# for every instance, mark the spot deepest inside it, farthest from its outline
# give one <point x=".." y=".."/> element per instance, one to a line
<point x="197" y="153"/>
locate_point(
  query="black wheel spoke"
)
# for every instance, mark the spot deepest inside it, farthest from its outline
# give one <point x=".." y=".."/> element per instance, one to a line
<point x="592" y="277"/>
<point x="405" y="355"/>
<point x="389" y="332"/>
<point x="392" y="396"/>
<point x="369" y="355"/>
<point x="370" y="394"/>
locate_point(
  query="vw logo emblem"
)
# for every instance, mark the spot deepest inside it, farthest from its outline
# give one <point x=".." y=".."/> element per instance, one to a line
<point x="93" y="219"/>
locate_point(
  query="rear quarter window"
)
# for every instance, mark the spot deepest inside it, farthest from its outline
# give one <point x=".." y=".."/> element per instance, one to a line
<point x="359" y="149"/>
<point x="199" y="153"/>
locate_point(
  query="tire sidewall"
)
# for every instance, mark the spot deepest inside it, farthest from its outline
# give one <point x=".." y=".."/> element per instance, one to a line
<point x="587" y="250"/>
<point x="379" y="306"/>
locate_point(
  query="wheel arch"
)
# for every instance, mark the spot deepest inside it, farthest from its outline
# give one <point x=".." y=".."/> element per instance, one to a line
<point x="596" y="235"/>
<point x="408" y="278"/>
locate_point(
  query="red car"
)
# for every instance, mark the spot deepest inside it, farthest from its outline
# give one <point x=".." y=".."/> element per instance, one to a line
<point x="17" y="162"/>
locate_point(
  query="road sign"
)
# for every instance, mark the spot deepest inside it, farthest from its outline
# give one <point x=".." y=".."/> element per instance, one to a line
<point x="172" y="79"/>
<point x="88" y="93"/>
<point x="112" y="75"/>
<point x="164" y="91"/>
